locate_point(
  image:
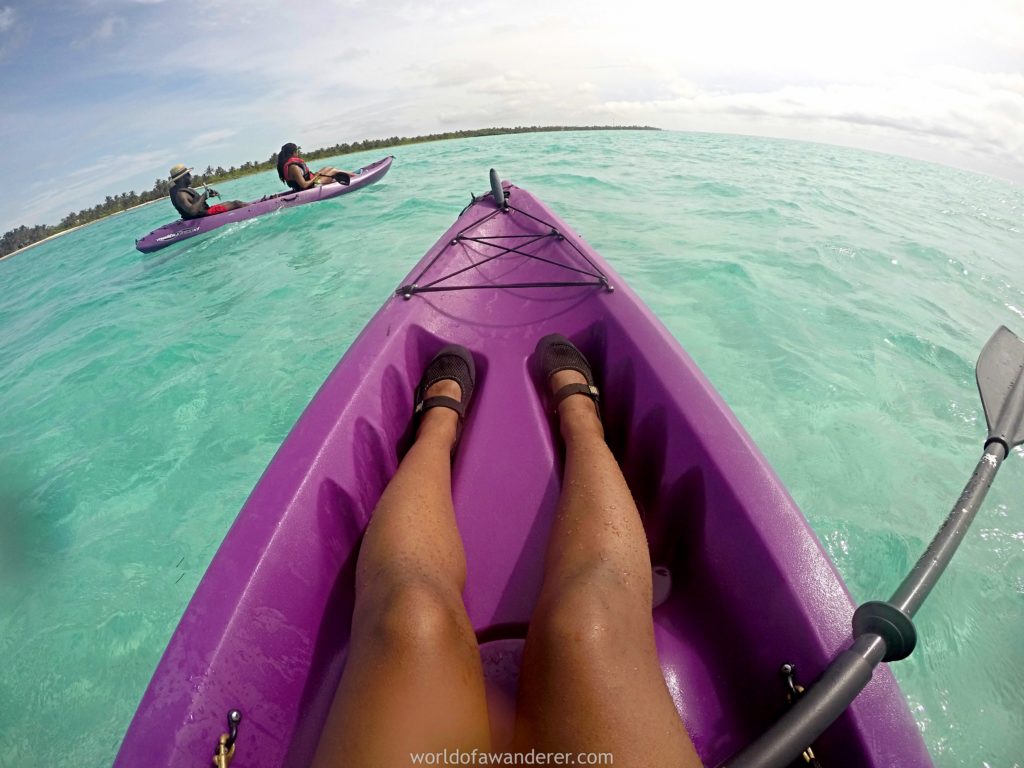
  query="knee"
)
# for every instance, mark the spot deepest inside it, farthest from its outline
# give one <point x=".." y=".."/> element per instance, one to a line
<point x="413" y="615"/>
<point x="592" y="616"/>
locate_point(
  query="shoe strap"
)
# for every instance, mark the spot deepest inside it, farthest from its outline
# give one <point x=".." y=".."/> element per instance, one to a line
<point x="441" y="402"/>
<point x="575" y="389"/>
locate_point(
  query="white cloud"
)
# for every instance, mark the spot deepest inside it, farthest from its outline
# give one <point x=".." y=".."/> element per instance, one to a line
<point x="453" y="73"/>
<point x="128" y="161"/>
<point x="210" y="138"/>
<point x="86" y="186"/>
<point x="512" y="85"/>
<point x="7" y="18"/>
<point x="935" y="80"/>
<point x="951" y="114"/>
<point x="107" y="30"/>
<point x="109" y="27"/>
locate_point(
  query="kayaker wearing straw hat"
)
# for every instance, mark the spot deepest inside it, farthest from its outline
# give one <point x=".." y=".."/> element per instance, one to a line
<point x="190" y="203"/>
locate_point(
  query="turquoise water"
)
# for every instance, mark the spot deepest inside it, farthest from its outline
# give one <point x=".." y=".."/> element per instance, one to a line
<point x="838" y="299"/>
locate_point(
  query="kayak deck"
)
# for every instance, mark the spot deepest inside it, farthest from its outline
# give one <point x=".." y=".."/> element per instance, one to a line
<point x="268" y="628"/>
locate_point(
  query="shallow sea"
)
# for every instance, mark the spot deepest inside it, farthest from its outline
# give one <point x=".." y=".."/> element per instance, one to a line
<point x="838" y="299"/>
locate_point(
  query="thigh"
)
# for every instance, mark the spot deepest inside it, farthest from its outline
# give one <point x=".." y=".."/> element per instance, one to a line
<point x="591" y="681"/>
<point x="413" y="683"/>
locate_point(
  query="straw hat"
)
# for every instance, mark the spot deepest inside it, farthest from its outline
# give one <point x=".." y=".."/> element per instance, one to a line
<point x="178" y="171"/>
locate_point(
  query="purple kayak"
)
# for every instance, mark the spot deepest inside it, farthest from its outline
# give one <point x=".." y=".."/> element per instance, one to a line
<point x="744" y="584"/>
<point x="183" y="229"/>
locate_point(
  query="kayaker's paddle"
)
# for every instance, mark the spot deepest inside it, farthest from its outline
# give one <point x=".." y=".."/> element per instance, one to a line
<point x="884" y="631"/>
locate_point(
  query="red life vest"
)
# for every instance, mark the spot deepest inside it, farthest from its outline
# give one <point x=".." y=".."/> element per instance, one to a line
<point x="306" y="173"/>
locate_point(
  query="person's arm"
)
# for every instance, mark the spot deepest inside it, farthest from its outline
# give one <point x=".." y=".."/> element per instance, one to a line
<point x="295" y="174"/>
<point x="192" y="203"/>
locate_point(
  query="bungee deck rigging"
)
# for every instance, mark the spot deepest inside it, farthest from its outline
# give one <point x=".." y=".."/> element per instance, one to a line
<point x="505" y="244"/>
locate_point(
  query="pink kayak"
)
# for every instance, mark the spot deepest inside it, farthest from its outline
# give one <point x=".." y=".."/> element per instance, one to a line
<point x="743" y="584"/>
<point x="183" y="229"/>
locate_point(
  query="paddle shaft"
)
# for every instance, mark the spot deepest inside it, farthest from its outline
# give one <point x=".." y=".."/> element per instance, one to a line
<point x="929" y="567"/>
<point x="847" y="675"/>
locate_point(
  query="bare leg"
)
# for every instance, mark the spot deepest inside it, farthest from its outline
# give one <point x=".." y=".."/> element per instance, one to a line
<point x="328" y="174"/>
<point x="590" y="679"/>
<point x="413" y="680"/>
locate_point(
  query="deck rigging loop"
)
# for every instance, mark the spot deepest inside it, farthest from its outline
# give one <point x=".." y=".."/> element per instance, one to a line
<point x="518" y="243"/>
<point x="225" y="751"/>
<point x="793" y="692"/>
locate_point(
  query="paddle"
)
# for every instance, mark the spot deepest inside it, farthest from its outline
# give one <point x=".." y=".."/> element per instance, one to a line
<point x="884" y="631"/>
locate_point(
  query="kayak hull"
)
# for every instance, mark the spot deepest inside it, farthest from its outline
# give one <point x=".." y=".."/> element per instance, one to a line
<point x="751" y="588"/>
<point x="185" y="229"/>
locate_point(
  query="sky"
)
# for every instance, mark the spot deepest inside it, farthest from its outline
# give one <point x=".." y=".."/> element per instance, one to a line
<point x="99" y="97"/>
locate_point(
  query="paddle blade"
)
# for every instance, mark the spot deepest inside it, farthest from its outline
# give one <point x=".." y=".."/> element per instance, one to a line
<point x="1000" y="374"/>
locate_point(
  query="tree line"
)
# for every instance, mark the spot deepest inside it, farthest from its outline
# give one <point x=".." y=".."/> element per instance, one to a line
<point x="23" y="236"/>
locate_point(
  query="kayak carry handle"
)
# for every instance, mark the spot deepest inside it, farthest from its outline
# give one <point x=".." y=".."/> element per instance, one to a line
<point x="884" y="631"/>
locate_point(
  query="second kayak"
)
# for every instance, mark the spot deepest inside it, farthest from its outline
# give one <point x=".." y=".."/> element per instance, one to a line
<point x="183" y="229"/>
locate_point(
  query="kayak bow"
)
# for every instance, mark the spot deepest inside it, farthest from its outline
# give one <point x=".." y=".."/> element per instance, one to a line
<point x="743" y="584"/>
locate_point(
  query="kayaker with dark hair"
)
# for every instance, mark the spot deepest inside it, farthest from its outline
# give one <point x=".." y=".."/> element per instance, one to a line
<point x="590" y="679"/>
<point x="190" y="203"/>
<point x="294" y="172"/>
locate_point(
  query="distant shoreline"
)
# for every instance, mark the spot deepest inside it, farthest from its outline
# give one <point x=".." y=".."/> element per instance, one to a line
<point x="63" y="232"/>
<point x="45" y="239"/>
<point x="159" y="192"/>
